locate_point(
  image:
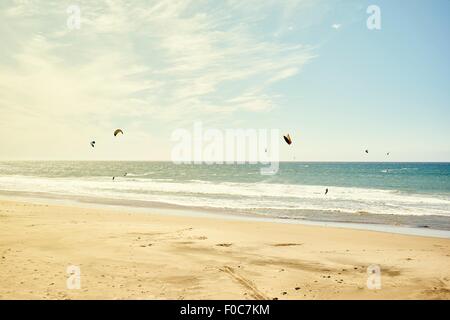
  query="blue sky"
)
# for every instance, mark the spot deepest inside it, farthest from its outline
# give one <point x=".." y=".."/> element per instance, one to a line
<point x="151" y="67"/>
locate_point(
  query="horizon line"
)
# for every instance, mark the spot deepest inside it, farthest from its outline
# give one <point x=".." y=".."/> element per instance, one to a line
<point x="224" y="162"/>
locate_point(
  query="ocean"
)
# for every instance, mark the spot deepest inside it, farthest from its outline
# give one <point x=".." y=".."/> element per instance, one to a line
<point x="396" y="194"/>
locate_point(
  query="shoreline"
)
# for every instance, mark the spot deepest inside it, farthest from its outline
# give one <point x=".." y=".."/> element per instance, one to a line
<point x="133" y="255"/>
<point x="179" y="210"/>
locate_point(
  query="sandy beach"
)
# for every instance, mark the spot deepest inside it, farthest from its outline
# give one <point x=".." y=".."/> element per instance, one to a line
<point x="129" y="255"/>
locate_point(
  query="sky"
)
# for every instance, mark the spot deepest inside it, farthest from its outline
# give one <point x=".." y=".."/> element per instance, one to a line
<point x="308" y="67"/>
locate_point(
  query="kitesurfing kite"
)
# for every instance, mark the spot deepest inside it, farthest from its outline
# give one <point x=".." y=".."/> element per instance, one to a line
<point x="367" y="151"/>
<point x="92" y="144"/>
<point x="117" y="132"/>
<point x="288" y="139"/>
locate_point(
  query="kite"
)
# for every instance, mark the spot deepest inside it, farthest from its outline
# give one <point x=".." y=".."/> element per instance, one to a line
<point x="288" y="139"/>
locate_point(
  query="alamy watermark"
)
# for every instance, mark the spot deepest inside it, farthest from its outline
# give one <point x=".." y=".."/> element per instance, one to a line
<point x="229" y="146"/>
<point x="373" y="277"/>
<point x="74" y="277"/>
<point x="74" y="19"/>
<point x="374" y="20"/>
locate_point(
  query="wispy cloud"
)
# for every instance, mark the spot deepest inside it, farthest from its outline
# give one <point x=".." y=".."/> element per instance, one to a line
<point x="174" y="60"/>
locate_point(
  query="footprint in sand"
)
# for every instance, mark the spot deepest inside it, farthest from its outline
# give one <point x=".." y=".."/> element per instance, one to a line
<point x="185" y="242"/>
<point x="286" y="244"/>
<point x="224" y="244"/>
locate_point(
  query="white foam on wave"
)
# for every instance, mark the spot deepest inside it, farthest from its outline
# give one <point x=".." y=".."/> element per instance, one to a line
<point x="130" y="174"/>
<point x="250" y="196"/>
<point x="393" y="170"/>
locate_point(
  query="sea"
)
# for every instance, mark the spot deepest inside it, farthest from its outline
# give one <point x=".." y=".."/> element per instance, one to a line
<point x="406" y="195"/>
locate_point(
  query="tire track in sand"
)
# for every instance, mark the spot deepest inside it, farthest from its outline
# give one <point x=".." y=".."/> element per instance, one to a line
<point x="247" y="284"/>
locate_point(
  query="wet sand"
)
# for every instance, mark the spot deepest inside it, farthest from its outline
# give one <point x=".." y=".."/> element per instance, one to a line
<point x="130" y="255"/>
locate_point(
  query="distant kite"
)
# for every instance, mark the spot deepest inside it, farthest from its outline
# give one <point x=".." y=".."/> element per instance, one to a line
<point x="117" y="132"/>
<point x="92" y="144"/>
<point x="388" y="153"/>
<point x="367" y="151"/>
<point x="326" y="191"/>
<point x="288" y="139"/>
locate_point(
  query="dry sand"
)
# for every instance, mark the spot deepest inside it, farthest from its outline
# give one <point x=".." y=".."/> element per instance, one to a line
<point x="124" y="255"/>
